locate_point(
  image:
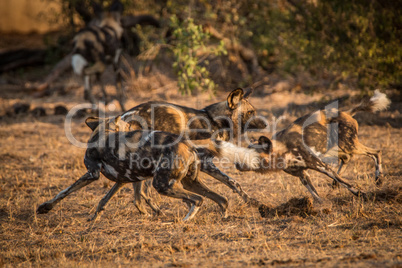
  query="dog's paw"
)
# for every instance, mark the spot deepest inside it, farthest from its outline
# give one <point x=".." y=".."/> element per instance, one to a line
<point x="379" y="180"/>
<point x="44" y="208"/>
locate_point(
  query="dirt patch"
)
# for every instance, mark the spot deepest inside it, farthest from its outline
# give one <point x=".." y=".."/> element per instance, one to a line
<point x="294" y="207"/>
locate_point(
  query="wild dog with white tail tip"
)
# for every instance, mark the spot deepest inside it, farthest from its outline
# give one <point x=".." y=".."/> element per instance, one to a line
<point x="97" y="46"/>
<point x="309" y="140"/>
<point x="131" y="156"/>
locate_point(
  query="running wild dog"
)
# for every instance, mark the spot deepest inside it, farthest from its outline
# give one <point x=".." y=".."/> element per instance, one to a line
<point x="224" y="120"/>
<point x="310" y="139"/>
<point x="174" y="166"/>
<point x="98" y="45"/>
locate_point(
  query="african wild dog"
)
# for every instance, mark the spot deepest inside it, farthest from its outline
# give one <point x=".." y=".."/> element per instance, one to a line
<point x="309" y="140"/>
<point x="98" y="45"/>
<point x="172" y="164"/>
<point x="224" y="120"/>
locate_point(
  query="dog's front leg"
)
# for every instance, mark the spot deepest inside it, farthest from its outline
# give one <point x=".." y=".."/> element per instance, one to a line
<point x="86" y="179"/>
<point x="106" y="198"/>
<point x="306" y="181"/>
<point x="209" y="168"/>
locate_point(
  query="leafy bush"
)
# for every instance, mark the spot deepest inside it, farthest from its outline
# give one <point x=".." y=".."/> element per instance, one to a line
<point x="346" y="39"/>
<point x="357" y="41"/>
<point x="336" y="40"/>
<point x="191" y="70"/>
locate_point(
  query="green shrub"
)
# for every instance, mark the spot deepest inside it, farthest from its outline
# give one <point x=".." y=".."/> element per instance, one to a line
<point x="189" y="39"/>
<point x="336" y="40"/>
<point x="345" y="39"/>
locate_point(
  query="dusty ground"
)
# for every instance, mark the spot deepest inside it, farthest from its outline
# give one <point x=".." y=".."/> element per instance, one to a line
<point x="37" y="161"/>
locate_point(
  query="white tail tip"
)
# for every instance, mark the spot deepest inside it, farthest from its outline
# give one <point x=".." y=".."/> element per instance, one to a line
<point x="380" y="101"/>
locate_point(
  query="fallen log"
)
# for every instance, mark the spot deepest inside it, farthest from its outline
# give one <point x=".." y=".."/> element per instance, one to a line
<point x="131" y="20"/>
<point x="10" y="60"/>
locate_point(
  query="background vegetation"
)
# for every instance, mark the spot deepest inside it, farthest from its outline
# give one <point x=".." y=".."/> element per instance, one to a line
<point x="354" y="42"/>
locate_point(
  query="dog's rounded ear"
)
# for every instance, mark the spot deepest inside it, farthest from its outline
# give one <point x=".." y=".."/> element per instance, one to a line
<point x="93" y="122"/>
<point x="249" y="91"/>
<point x="265" y="143"/>
<point x="234" y="98"/>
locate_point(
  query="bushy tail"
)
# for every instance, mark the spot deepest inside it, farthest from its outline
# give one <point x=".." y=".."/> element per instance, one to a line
<point x="228" y="151"/>
<point x="376" y="103"/>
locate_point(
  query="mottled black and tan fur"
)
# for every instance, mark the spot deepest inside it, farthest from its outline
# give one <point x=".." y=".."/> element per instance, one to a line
<point x="174" y="166"/>
<point x="309" y="141"/>
<point x="97" y="46"/>
<point x="224" y="120"/>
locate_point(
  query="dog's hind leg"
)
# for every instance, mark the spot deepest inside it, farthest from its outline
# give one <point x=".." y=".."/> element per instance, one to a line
<point x="88" y="90"/>
<point x="323" y="168"/>
<point x="86" y="179"/>
<point x="137" y="187"/>
<point x="168" y="184"/>
<point x="102" y="86"/>
<point x="343" y="161"/>
<point x="105" y="199"/>
<point x="376" y="156"/>
<point x="146" y="195"/>
<point x="378" y="167"/>
<point x="341" y="167"/>
<point x="193" y="183"/>
<point x="141" y="190"/>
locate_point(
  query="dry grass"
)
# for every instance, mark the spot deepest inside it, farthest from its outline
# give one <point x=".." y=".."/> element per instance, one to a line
<point x="37" y="161"/>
